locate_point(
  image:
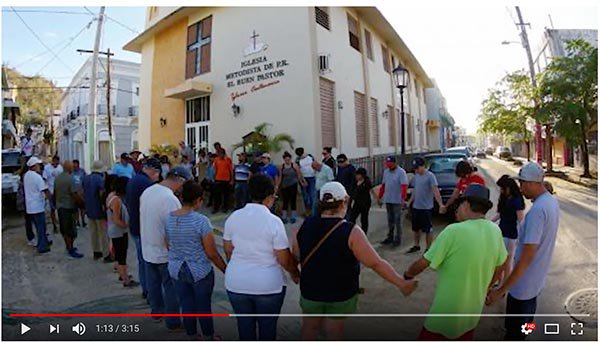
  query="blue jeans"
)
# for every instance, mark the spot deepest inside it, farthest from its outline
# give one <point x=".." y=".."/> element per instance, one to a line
<point x="161" y="292"/>
<point x="141" y="263"/>
<point x="241" y="194"/>
<point x="195" y="298"/>
<point x="29" y="227"/>
<point x="394" y="218"/>
<point x="308" y="193"/>
<point x="257" y="304"/>
<point x="513" y="324"/>
<point x="39" y="220"/>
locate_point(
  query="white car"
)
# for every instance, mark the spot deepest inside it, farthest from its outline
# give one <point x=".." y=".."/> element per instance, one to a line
<point x="503" y="152"/>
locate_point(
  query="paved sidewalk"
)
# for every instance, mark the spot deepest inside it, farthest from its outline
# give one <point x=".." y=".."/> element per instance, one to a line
<point x="569" y="174"/>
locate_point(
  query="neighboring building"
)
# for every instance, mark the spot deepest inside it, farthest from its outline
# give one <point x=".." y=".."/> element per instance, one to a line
<point x="72" y="140"/>
<point x="436" y="109"/>
<point x="10" y="112"/>
<point x="554" y="43"/>
<point x="322" y="75"/>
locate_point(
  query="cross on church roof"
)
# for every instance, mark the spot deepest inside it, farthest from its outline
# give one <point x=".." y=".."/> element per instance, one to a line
<point x="253" y="37"/>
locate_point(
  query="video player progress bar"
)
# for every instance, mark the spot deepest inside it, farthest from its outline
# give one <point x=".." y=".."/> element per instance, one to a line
<point x="280" y="315"/>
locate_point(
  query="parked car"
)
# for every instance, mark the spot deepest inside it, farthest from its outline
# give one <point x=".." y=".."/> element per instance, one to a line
<point x="489" y="151"/>
<point x="443" y="166"/>
<point x="11" y="164"/>
<point x="503" y="152"/>
<point x="479" y="153"/>
<point x="463" y="150"/>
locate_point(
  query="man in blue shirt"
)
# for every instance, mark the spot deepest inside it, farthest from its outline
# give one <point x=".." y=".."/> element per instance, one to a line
<point x="123" y="168"/>
<point x="269" y="169"/>
<point x="93" y="187"/>
<point x="535" y="247"/>
<point x="135" y="187"/>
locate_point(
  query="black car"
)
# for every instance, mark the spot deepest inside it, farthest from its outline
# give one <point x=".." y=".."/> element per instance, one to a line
<point x="443" y="166"/>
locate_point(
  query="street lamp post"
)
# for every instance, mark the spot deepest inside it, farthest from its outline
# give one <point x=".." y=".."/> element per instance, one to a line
<point x="401" y="78"/>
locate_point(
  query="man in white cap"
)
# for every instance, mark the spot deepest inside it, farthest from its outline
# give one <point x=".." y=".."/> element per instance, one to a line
<point x="36" y="194"/>
<point x="534" y="253"/>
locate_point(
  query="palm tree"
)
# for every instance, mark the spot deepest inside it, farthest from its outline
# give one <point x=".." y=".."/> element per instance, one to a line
<point x="261" y="141"/>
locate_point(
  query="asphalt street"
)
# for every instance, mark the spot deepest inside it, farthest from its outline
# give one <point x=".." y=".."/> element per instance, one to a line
<point x="54" y="283"/>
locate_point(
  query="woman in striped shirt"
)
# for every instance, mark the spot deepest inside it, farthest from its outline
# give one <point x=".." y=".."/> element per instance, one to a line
<point x="192" y="249"/>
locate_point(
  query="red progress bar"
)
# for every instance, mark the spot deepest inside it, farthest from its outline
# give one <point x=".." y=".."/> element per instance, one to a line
<point x="113" y="315"/>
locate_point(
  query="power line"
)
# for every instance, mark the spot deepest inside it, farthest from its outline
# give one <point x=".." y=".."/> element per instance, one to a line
<point x="46" y="11"/>
<point x="71" y="40"/>
<point x="122" y="25"/>
<point x="89" y="11"/>
<point x="41" y="53"/>
<point x="41" y="41"/>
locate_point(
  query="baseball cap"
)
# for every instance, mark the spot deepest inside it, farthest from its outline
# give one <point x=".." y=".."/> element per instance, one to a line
<point x="124" y="155"/>
<point x="33" y="161"/>
<point x="390" y="159"/>
<point x="477" y="191"/>
<point x="531" y="172"/>
<point x="266" y="155"/>
<point x="335" y="189"/>
<point x="342" y="157"/>
<point x="418" y="161"/>
<point x="181" y="172"/>
<point x="153" y="163"/>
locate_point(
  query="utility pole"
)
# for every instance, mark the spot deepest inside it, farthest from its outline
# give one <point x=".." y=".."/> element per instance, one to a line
<point x="525" y="41"/>
<point x="91" y="124"/>
<point x="110" y="133"/>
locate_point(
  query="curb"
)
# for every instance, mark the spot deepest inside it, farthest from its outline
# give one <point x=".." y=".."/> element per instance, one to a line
<point x="566" y="176"/>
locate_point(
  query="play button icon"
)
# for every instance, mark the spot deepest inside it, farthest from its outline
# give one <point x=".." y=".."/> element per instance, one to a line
<point x="24" y="329"/>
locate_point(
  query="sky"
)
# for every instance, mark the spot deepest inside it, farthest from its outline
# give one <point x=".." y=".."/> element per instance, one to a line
<point x="458" y="45"/>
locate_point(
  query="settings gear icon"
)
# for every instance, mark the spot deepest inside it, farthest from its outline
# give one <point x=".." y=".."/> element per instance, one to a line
<point x="526" y="330"/>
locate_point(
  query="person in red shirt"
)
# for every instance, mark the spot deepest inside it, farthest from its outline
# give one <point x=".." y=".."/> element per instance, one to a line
<point x="466" y="175"/>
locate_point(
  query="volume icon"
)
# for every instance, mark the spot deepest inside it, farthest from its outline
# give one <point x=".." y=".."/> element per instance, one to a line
<point x="79" y="329"/>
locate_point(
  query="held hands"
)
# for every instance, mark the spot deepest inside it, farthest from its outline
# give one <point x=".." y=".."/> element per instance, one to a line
<point x="409" y="287"/>
<point x="295" y="277"/>
<point x="379" y="202"/>
<point x="494" y="295"/>
<point x="443" y="209"/>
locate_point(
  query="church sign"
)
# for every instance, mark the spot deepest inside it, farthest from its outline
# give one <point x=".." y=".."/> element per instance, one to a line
<point x="256" y="71"/>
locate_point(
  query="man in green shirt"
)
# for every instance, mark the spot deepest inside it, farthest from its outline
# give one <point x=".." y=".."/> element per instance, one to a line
<point x="469" y="258"/>
<point x="65" y="192"/>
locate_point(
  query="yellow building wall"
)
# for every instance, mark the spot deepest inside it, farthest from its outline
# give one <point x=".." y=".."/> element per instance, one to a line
<point x="168" y="71"/>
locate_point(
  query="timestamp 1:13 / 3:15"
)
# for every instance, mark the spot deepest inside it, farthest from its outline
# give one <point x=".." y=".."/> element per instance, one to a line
<point x="117" y="328"/>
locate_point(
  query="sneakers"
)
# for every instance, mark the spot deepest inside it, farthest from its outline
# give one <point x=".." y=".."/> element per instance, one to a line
<point x="413" y="249"/>
<point x="293" y="220"/>
<point x="285" y="220"/>
<point x="387" y="241"/>
<point x="97" y="255"/>
<point x="44" y="251"/>
<point x="73" y="253"/>
<point x="32" y="242"/>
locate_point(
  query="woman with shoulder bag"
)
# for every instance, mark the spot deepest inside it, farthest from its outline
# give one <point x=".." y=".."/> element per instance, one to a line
<point x="330" y="250"/>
